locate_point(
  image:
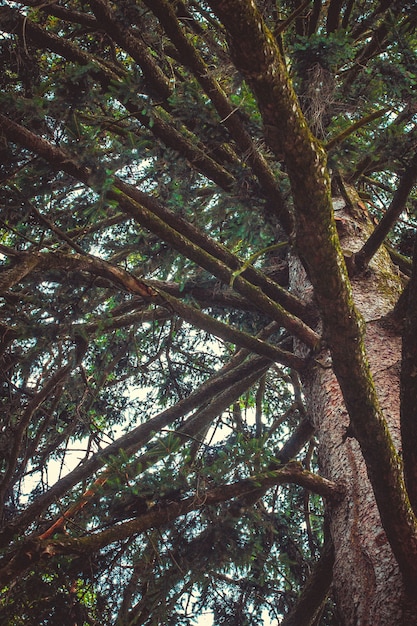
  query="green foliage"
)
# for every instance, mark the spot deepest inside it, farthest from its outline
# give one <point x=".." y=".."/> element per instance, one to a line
<point x="198" y="160"/>
<point x="329" y="50"/>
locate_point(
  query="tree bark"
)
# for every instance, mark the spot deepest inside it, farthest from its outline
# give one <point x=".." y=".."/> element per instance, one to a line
<point x="367" y="584"/>
<point x="318" y="244"/>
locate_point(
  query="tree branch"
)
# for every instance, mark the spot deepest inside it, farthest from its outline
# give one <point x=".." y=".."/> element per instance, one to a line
<point x="338" y="139"/>
<point x="149" y="213"/>
<point x="315" y="591"/>
<point x="35" y="550"/>
<point x="132" y="441"/>
<point x="408" y="180"/>
<point x="156" y="79"/>
<point x="228" y="114"/>
<point x="257" y="56"/>
<point x="184" y="143"/>
<point x="133" y="285"/>
<point x="409" y="387"/>
<point x="21" y="426"/>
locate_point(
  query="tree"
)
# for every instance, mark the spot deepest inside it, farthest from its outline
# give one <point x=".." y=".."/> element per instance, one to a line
<point x="207" y="235"/>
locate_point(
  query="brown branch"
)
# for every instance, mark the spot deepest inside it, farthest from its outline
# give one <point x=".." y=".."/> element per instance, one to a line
<point x="158" y="516"/>
<point x="383" y="150"/>
<point x="184" y="143"/>
<point x="212" y="264"/>
<point x="315" y="591"/>
<point x="15" y="22"/>
<point x="10" y="276"/>
<point x="300" y="436"/>
<point x="67" y="15"/>
<point x="379" y="40"/>
<point x="338" y="139"/>
<point x="151" y="214"/>
<point x="409" y="387"/>
<point x="361" y="259"/>
<point x="403" y="262"/>
<point x="63" y="236"/>
<point x="124" y="37"/>
<point x="42" y="261"/>
<point x="233" y="335"/>
<point x="376" y="45"/>
<point x="362" y="28"/>
<point x="284" y="24"/>
<point x="133" y="440"/>
<point x="228" y="114"/>
<point x="56" y="379"/>
<point x="189" y="430"/>
<point x="333" y="15"/>
<point x="131" y="284"/>
<point x="257" y="56"/>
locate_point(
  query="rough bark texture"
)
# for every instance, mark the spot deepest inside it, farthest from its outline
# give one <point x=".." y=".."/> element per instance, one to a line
<point x="248" y="142"/>
<point x="409" y="387"/>
<point x="319" y="248"/>
<point x="367" y="583"/>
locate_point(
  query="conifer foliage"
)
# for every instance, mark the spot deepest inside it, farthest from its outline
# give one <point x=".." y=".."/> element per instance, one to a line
<point x="182" y="183"/>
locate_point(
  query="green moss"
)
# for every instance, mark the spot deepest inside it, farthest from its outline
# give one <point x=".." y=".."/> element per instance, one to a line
<point x="388" y="281"/>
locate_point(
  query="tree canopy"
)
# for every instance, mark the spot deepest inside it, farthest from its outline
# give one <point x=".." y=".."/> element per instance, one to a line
<point x="167" y="172"/>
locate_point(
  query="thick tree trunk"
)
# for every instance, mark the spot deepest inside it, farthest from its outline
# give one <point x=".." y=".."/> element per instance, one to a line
<point x="367" y="585"/>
